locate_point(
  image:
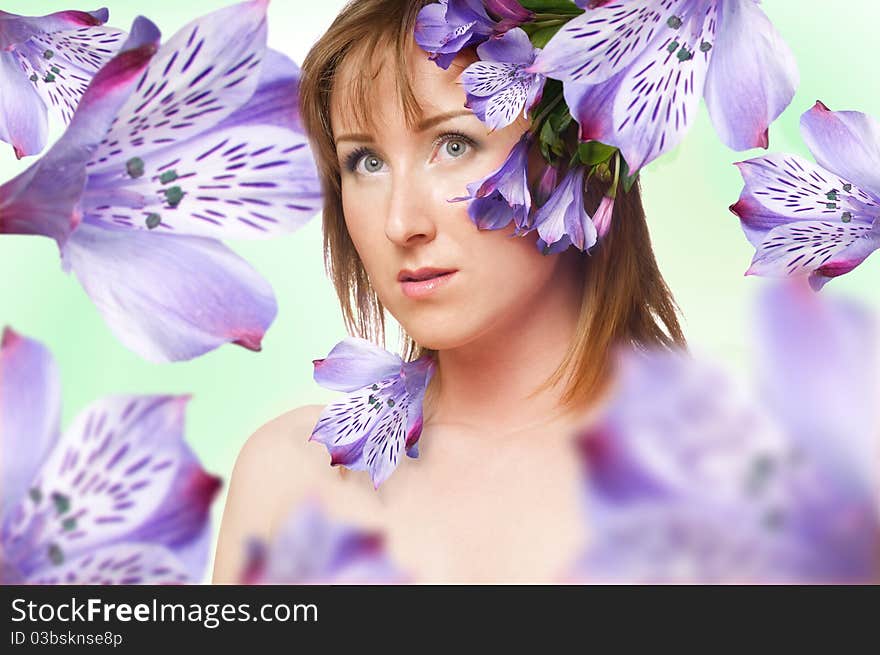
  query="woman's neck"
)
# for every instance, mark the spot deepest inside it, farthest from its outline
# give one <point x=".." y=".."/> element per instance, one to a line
<point x="492" y="384"/>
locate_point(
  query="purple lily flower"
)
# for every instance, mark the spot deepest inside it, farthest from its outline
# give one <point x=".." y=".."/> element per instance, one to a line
<point x="170" y="150"/>
<point x="382" y="414"/>
<point x="633" y="72"/>
<point x="694" y="478"/>
<point x="503" y="195"/>
<point x="563" y="221"/>
<point x="812" y="219"/>
<point x="498" y="90"/>
<point x="46" y="63"/>
<point x="312" y="549"/>
<point x="119" y="498"/>
<point x="445" y="28"/>
<point x="510" y="13"/>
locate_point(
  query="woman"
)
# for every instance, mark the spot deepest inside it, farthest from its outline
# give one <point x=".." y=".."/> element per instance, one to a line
<point x="522" y="341"/>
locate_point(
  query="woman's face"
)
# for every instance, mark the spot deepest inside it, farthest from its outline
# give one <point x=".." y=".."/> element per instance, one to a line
<point x="396" y="187"/>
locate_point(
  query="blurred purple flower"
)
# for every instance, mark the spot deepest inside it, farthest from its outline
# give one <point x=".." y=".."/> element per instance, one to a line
<point x="46" y="63"/>
<point x="693" y="478"/>
<point x="119" y="498"/>
<point x="563" y="221"/>
<point x="815" y="219"/>
<point x="503" y="195"/>
<point x="312" y="549"/>
<point x="633" y="72"/>
<point x="498" y="90"/>
<point x="168" y="153"/>
<point x="382" y="414"/>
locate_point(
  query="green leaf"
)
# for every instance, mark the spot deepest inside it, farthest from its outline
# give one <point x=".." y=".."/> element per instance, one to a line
<point x="552" y="7"/>
<point x="541" y="36"/>
<point x="594" y="152"/>
<point x="627" y="179"/>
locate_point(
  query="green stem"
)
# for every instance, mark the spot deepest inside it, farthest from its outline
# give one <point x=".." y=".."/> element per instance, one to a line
<point x="617" y="166"/>
<point x="549" y="108"/>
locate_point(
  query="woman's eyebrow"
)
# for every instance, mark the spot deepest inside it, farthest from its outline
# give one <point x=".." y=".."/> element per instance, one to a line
<point x="426" y="124"/>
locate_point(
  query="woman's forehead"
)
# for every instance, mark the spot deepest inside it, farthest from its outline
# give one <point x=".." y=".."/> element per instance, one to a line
<point x="369" y="81"/>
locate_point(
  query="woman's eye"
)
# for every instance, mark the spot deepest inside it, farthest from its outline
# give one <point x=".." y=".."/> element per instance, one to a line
<point x="456" y="147"/>
<point x="372" y="164"/>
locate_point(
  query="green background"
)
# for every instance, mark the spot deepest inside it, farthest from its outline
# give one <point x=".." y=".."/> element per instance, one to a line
<point x="698" y="242"/>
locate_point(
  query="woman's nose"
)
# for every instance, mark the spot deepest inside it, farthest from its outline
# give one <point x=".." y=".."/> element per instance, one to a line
<point x="410" y="218"/>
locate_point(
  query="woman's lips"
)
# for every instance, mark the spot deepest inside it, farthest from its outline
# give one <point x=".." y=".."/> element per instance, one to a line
<point x="423" y="288"/>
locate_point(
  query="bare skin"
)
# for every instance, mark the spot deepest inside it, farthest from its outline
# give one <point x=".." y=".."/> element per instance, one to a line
<point x="494" y="494"/>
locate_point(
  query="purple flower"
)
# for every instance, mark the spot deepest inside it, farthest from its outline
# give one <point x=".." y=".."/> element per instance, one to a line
<point x="692" y="477"/>
<point x="46" y="63"/>
<point x="170" y="151"/>
<point x="634" y="72"/>
<point x="312" y="549"/>
<point x="563" y="221"/>
<point x="119" y="498"/>
<point x="498" y="88"/>
<point x="815" y="219"/>
<point x="603" y="215"/>
<point x="382" y="414"/>
<point x="445" y="28"/>
<point x="510" y="13"/>
<point x="503" y="195"/>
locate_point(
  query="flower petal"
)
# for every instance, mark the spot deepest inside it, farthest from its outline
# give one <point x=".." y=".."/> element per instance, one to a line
<point x="752" y="77"/>
<point x="118" y="564"/>
<point x="111" y="470"/>
<point x="846" y="142"/>
<point x="506" y="106"/>
<point x="513" y="47"/>
<point x="23" y="121"/>
<point x="486" y="78"/>
<point x="352" y="419"/>
<point x="247" y="182"/>
<point x="30" y="413"/>
<point x="821" y="248"/>
<point x="60" y="65"/>
<point x="602" y="42"/>
<point x="43" y="199"/>
<point x="660" y="94"/>
<point x="170" y="298"/>
<point x="201" y="75"/>
<point x="794" y="187"/>
<point x="355" y="363"/>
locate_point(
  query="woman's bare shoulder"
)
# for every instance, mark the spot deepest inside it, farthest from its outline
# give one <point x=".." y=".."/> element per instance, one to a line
<point x="276" y="468"/>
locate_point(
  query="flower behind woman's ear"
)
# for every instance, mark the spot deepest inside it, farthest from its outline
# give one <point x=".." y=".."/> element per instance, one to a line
<point x="171" y="150"/>
<point x="118" y="498"/>
<point x="634" y="72"/>
<point x="46" y="63"/>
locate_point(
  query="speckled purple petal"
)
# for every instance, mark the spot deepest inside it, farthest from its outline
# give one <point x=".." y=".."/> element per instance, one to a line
<point x="43" y="199"/>
<point x="171" y="298"/>
<point x="201" y="75"/>
<point x="660" y="92"/>
<point x="602" y="42"/>
<point x="30" y="414"/>
<point x="73" y="59"/>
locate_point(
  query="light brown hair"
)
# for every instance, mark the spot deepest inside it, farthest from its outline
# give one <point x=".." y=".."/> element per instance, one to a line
<point x="625" y="298"/>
